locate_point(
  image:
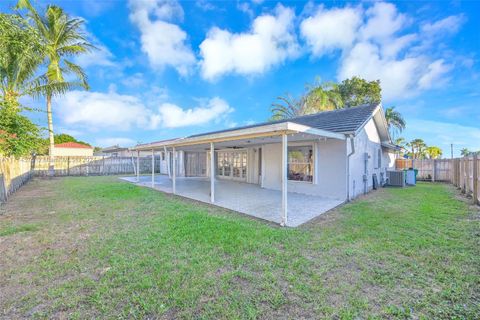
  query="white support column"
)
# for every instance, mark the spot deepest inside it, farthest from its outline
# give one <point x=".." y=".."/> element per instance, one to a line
<point x="153" y="168"/>
<point x="284" y="179"/>
<point x="167" y="161"/>
<point x="212" y="173"/>
<point x="138" y="166"/>
<point x="174" y="171"/>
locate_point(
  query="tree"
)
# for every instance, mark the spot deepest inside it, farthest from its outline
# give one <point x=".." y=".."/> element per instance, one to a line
<point x="395" y="121"/>
<point x="329" y="96"/>
<point x="433" y="152"/>
<point x="418" y="147"/>
<point x="400" y="142"/>
<point x="323" y="97"/>
<point x="288" y="107"/>
<point x="20" y="56"/>
<point x="18" y="135"/>
<point x="464" y="152"/>
<point x="357" y="91"/>
<point x="61" y="37"/>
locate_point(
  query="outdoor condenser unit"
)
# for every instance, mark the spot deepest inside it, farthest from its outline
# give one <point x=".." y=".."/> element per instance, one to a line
<point x="396" y="178"/>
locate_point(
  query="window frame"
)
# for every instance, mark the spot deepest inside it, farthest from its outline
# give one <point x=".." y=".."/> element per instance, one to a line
<point x="310" y="145"/>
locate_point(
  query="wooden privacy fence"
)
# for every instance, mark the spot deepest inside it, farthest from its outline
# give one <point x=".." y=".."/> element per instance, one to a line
<point x="13" y="174"/>
<point x="428" y="169"/>
<point x="461" y="172"/>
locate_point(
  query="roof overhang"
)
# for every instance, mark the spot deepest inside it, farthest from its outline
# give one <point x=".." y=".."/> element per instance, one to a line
<point x="268" y="130"/>
<point x="391" y="146"/>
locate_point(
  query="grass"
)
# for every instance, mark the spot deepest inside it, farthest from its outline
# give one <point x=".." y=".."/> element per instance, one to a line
<point x="12" y="229"/>
<point x="98" y="247"/>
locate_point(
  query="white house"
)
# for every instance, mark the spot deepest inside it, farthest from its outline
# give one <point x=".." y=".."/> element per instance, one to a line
<point x="118" y="151"/>
<point x="72" y="149"/>
<point x="309" y="164"/>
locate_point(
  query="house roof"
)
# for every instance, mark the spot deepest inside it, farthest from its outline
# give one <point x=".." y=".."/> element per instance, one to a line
<point x="114" y="148"/>
<point x="340" y="121"/>
<point x="331" y="124"/>
<point x="73" y="145"/>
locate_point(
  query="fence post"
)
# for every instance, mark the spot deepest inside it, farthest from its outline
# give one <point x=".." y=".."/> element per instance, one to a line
<point x="433" y="169"/>
<point x="475" y="179"/>
<point x="3" y="189"/>
<point x="68" y="166"/>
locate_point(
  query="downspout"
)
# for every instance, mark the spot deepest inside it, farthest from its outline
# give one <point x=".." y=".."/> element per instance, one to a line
<point x="352" y="151"/>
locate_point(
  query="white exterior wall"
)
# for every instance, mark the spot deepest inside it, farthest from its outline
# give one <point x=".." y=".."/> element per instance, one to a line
<point x="329" y="169"/>
<point x="367" y="141"/>
<point x="73" y="152"/>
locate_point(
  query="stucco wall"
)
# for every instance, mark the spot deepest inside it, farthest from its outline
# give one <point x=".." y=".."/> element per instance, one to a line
<point x="73" y="152"/>
<point x="367" y="141"/>
<point x="329" y="169"/>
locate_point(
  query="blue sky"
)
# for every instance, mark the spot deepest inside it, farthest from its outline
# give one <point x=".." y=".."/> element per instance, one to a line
<point x="170" y="69"/>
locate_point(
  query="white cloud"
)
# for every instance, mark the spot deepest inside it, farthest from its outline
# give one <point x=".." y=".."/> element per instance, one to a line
<point x="450" y="24"/>
<point x="107" y="142"/>
<point x="135" y="80"/>
<point x="383" y="21"/>
<point x="378" y="43"/>
<point x="397" y="76"/>
<point x="270" y="41"/>
<point x="433" y="76"/>
<point x="172" y="116"/>
<point x="332" y="29"/>
<point x="164" y="43"/>
<point x="94" y="111"/>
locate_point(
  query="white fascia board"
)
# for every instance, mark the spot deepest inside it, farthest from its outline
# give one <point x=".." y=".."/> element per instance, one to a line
<point x="314" y="131"/>
<point x="274" y="129"/>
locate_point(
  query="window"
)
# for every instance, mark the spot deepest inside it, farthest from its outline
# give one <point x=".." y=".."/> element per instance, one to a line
<point x="300" y="163"/>
<point x="162" y="155"/>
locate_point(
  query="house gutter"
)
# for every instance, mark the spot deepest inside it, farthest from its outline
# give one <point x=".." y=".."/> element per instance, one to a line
<point x="352" y="143"/>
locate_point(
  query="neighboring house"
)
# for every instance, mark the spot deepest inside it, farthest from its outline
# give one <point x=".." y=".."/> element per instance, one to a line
<point x="333" y="155"/>
<point x="72" y="149"/>
<point x="117" y="151"/>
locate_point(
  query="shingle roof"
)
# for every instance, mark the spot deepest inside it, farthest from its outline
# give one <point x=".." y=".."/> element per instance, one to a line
<point x="114" y="148"/>
<point x="72" y="145"/>
<point x="339" y="121"/>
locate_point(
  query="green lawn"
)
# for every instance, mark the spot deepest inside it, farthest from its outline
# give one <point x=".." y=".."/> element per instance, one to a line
<point x="98" y="247"/>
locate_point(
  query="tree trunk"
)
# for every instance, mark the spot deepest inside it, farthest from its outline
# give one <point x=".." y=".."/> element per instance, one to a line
<point x="51" y="166"/>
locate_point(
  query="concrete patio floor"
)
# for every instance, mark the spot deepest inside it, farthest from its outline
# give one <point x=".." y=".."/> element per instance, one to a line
<point x="246" y="198"/>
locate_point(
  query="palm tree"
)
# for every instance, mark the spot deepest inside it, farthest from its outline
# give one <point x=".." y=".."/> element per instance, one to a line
<point x="61" y="37"/>
<point x="433" y="152"/>
<point x="418" y="148"/>
<point x="323" y="97"/>
<point x="288" y="107"/>
<point x="465" y="152"/>
<point x="20" y="56"/>
<point x="395" y="121"/>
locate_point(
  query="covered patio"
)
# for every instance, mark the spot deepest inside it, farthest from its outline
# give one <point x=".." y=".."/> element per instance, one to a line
<point x="246" y="198"/>
<point x="247" y="170"/>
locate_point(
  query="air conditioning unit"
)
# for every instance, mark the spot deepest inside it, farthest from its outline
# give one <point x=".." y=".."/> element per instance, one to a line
<point x="396" y="178"/>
